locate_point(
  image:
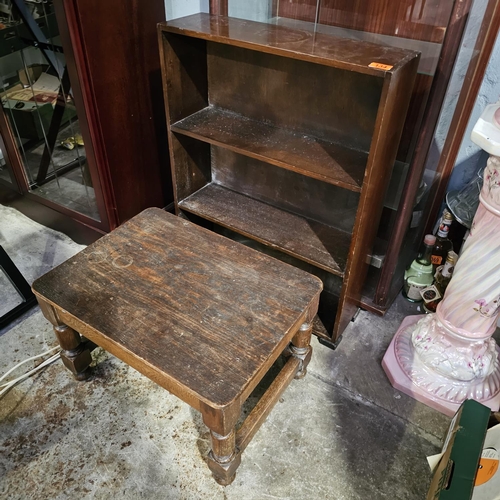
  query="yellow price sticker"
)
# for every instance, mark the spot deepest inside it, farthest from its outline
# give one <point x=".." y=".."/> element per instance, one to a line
<point x="385" y="67"/>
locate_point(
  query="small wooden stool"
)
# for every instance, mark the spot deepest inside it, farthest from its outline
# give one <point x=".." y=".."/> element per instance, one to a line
<point x="199" y="314"/>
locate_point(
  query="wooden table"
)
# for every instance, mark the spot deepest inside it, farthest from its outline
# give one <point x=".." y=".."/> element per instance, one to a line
<point x="199" y="314"/>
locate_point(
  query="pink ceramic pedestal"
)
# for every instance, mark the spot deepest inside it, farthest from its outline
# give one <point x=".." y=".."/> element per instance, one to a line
<point x="393" y="368"/>
<point x="444" y="358"/>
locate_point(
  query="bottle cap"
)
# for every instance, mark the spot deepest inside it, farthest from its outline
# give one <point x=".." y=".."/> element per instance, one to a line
<point x="429" y="239"/>
<point x="452" y="257"/>
<point x="448" y="216"/>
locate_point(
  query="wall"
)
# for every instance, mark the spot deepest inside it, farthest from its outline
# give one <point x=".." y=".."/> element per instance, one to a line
<point x="181" y="8"/>
<point x="256" y="10"/>
<point x="470" y="157"/>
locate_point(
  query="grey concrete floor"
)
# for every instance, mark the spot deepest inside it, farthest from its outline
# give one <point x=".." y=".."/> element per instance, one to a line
<point x="342" y="432"/>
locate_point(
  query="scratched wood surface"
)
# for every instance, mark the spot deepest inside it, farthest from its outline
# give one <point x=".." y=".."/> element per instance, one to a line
<point x="321" y="245"/>
<point x="199" y="308"/>
<point x="323" y="160"/>
<point x="295" y="43"/>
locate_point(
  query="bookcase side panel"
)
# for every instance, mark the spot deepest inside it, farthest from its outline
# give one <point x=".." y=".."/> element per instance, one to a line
<point x="184" y="64"/>
<point x="191" y="165"/>
<point x="392" y="113"/>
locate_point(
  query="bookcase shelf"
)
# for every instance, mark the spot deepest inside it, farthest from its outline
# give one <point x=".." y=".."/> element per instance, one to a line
<point x="323" y="246"/>
<point x="320" y="159"/>
<point x="288" y="138"/>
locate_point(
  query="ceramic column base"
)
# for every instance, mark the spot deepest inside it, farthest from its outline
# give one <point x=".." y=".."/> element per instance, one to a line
<point x="409" y="375"/>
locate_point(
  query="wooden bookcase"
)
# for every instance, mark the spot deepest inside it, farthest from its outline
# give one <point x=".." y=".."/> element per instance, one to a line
<point x="287" y="138"/>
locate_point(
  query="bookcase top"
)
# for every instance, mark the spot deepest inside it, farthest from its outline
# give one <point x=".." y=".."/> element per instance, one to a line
<point x="303" y="44"/>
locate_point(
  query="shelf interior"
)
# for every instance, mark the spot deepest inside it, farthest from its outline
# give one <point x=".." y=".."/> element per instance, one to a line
<point x="314" y="242"/>
<point x="307" y="155"/>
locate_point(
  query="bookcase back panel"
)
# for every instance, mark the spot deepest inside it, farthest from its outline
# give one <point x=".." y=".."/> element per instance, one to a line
<point x="285" y="189"/>
<point x="331" y="104"/>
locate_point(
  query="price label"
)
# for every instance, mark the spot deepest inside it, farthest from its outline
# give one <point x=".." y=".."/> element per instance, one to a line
<point x="377" y="65"/>
<point x="436" y="260"/>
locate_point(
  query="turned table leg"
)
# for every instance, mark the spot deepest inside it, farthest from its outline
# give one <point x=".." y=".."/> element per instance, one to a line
<point x="301" y="349"/>
<point x="224" y="457"/>
<point x="75" y="353"/>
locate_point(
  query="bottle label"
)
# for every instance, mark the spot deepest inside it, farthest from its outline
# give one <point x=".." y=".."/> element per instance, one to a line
<point x="430" y="294"/>
<point x="448" y="269"/>
<point x="414" y="291"/>
<point x="444" y="228"/>
<point x="436" y="260"/>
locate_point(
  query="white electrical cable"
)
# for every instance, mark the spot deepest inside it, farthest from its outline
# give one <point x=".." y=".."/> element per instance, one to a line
<point x="41" y="365"/>
<point x="8" y="385"/>
<point x="26" y="360"/>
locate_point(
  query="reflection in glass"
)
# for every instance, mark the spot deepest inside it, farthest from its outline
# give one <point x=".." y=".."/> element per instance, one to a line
<point x="37" y="99"/>
<point x="4" y="173"/>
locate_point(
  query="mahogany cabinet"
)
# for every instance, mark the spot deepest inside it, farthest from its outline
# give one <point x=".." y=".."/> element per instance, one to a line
<point x="287" y="138"/>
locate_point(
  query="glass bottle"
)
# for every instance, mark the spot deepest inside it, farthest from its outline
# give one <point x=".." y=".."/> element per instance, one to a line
<point x="420" y="273"/>
<point x="434" y="294"/>
<point x="443" y="243"/>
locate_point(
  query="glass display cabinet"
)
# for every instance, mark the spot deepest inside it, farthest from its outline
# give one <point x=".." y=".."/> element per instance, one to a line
<point x="80" y="92"/>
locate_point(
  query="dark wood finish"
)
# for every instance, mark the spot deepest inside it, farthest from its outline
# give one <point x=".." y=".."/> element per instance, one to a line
<point x="271" y="97"/>
<point x="388" y="129"/>
<point x="74" y="351"/>
<point x="305" y="10"/>
<point x="122" y="96"/>
<point x="219" y="7"/>
<point x="301" y="44"/>
<point x="295" y="151"/>
<point x="197" y="313"/>
<point x="119" y="99"/>
<point x="473" y="79"/>
<point x="420" y="20"/>
<point x="69" y="31"/>
<point x="295" y="95"/>
<point x="308" y="197"/>
<point x="426" y="20"/>
<point x="387" y="287"/>
<point x="323" y="246"/>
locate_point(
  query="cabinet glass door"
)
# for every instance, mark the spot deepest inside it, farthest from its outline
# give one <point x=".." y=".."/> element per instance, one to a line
<point x="37" y="100"/>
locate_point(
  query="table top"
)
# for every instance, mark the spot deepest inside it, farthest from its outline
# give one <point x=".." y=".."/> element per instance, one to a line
<point x="191" y="307"/>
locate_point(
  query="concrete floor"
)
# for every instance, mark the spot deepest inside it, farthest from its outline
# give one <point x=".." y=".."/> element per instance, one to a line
<point x="342" y="432"/>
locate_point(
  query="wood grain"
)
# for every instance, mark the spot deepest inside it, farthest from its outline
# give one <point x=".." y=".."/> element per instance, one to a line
<point x="200" y="314"/>
<point x="420" y="20"/>
<point x="116" y="54"/>
<point x="306" y="239"/>
<point x="297" y="44"/>
<point x="285" y="189"/>
<point x="266" y="85"/>
<point x="291" y="150"/>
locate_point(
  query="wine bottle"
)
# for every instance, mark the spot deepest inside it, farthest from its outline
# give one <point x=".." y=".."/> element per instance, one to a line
<point x="420" y="273"/>
<point x="443" y="243"/>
